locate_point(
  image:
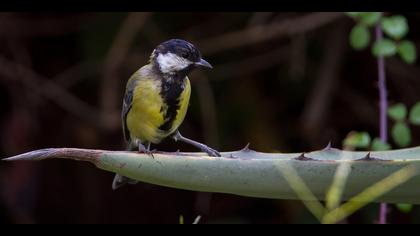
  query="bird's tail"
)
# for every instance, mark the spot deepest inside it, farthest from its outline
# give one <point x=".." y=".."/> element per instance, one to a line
<point x="120" y="180"/>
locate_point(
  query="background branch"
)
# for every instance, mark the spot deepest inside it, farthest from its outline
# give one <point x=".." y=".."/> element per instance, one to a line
<point x="110" y="102"/>
<point x="260" y="33"/>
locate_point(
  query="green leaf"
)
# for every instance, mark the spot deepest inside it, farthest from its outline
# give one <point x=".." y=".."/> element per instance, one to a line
<point x="353" y="14"/>
<point x="357" y="140"/>
<point x="398" y="112"/>
<point x="395" y="27"/>
<point x="384" y="47"/>
<point x="401" y="134"/>
<point x="369" y="18"/>
<point x="407" y="51"/>
<point x="378" y="145"/>
<point x="359" y="37"/>
<point x="255" y="174"/>
<point x="404" y="207"/>
<point x="415" y="114"/>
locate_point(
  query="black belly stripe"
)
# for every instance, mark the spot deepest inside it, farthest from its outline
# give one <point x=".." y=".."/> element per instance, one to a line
<point x="171" y="92"/>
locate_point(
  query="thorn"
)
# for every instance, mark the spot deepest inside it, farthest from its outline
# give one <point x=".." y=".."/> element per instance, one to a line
<point x="246" y="148"/>
<point x="368" y="157"/>
<point x="232" y="156"/>
<point x="302" y="157"/>
<point x="149" y="153"/>
<point x="328" y="147"/>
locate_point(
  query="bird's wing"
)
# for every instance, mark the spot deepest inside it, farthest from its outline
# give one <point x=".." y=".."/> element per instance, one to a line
<point x="128" y="97"/>
<point x="127" y="102"/>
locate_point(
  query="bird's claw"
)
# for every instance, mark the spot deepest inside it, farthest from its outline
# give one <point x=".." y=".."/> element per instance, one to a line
<point x="150" y="153"/>
<point x="211" y="152"/>
<point x="144" y="150"/>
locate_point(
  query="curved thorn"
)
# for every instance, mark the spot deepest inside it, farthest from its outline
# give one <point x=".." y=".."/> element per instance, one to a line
<point x="232" y="156"/>
<point x="328" y="147"/>
<point x="246" y="148"/>
<point x="302" y="157"/>
<point x="368" y="157"/>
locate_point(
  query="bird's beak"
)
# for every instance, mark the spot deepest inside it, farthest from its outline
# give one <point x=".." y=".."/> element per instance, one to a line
<point x="203" y="63"/>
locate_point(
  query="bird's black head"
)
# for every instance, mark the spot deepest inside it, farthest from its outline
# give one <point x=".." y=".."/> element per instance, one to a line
<point x="177" y="56"/>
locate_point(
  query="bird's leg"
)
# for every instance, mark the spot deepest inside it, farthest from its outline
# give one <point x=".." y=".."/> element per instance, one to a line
<point x="211" y="152"/>
<point x="143" y="149"/>
<point x="140" y="146"/>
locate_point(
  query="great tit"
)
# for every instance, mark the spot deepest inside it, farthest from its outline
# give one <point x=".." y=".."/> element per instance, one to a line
<point x="156" y="99"/>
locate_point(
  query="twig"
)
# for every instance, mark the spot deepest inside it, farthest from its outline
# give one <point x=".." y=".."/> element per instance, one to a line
<point x="251" y="65"/>
<point x="208" y="108"/>
<point x="316" y="107"/>
<point x="297" y="56"/>
<point x="261" y="33"/>
<point x="17" y="26"/>
<point x="382" y="92"/>
<point x="114" y="59"/>
<point x="74" y="74"/>
<point x="259" y="18"/>
<point x="52" y="91"/>
<point x="382" y="110"/>
<point x="21" y="55"/>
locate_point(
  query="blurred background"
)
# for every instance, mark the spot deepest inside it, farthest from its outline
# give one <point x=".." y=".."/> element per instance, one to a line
<point x="283" y="82"/>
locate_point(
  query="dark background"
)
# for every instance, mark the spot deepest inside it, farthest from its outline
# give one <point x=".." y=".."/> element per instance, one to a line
<point x="285" y="82"/>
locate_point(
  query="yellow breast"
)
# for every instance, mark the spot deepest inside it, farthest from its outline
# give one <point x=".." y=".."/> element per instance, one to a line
<point x="147" y="112"/>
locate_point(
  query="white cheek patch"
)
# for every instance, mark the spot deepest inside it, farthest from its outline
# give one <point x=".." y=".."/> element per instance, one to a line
<point x="170" y="63"/>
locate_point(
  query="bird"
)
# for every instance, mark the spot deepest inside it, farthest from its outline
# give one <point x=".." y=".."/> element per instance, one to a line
<point x="157" y="97"/>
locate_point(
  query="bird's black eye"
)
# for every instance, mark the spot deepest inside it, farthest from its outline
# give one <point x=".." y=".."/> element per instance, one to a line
<point x="185" y="54"/>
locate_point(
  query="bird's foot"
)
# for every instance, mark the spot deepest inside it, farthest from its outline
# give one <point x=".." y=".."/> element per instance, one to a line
<point x="210" y="151"/>
<point x="143" y="149"/>
<point x="204" y="148"/>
